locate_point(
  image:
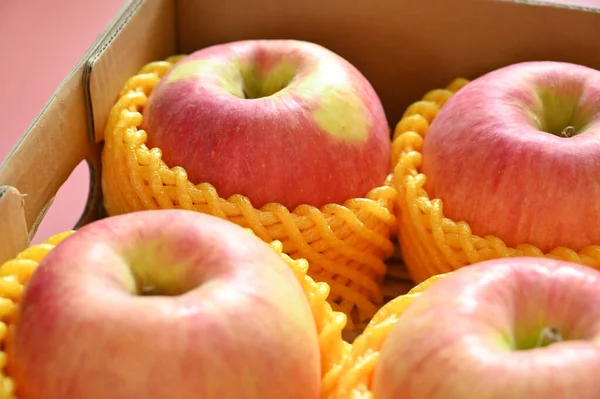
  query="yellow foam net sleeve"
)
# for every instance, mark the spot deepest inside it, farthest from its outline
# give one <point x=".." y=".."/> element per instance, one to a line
<point x="345" y="245"/>
<point x="356" y="372"/>
<point x="432" y="243"/>
<point x="15" y="273"/>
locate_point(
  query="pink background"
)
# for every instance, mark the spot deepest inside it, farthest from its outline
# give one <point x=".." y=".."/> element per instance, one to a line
<point x="40" y="42"/>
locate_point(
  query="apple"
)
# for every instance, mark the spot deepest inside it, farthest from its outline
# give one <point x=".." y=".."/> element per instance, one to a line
<point x="516" y="154"/>
<point x="511" y="328"/>
<point x="282" y="121"/>
<point x="164" y="304"/>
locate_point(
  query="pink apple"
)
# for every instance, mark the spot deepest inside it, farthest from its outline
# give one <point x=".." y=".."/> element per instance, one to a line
<point x="518" y="328"/>
<point x="164" y="304"/>
<point x="275" y="120"/>
<point x="516" y="154"/>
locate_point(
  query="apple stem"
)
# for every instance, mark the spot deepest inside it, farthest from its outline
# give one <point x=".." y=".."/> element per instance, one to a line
<point x="148" y="289"/>
<point x="567" y="132"/>
<point x="548" y="335"/>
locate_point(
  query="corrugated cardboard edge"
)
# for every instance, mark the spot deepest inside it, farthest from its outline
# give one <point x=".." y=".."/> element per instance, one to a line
<point x="14" y="236"/>
<point x="121" y="20"/>
<point x="123" y="53"/>
<point x="555" y="5"/>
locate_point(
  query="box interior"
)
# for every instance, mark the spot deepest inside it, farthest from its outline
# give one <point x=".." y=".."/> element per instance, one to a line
<point x="405" y="48"/>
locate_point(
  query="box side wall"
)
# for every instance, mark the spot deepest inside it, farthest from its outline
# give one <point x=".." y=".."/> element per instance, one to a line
<point x="50" y="150"/>
<point x="39" y="164"/>
<point x="405" y="48"/>
<point x="146" y="33"/>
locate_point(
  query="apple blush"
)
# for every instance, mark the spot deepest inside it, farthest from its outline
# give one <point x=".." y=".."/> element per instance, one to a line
<point x="281" y="121"/>
<point x="511" y="328"/>
<point x="164" y="304"/>
<point x="516" y="154"/>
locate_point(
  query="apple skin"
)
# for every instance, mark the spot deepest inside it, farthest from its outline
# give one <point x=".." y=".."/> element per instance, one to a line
<point x="233" y="320"/>
<point x="469" y="334"/>
<point x="282" y="121"/>
<point x="496" y="158"/>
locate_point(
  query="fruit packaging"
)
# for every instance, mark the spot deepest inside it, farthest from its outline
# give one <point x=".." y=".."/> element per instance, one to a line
<point x="357" y="279"/>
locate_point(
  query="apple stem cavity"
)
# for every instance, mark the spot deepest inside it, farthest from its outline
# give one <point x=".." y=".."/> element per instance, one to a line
<point x="148" y="290"/>
<point x="548" y="336"/>
<point x="568" y="131"/>
<point x="257" y="86"/>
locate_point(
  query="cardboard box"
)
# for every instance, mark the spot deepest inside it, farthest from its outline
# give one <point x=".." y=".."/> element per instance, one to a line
<point x="405" y="48"/>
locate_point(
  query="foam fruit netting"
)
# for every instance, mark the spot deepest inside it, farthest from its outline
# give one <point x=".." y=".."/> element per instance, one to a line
<point x="430" y="242"/>
<point x="15" y="273"/>
<point x="355" y="376"/>
<point x="346" y="245"/>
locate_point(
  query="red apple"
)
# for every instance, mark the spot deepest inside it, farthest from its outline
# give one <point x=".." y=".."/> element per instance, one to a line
<point x="164" y="304"/>
<point x="275" y="120"/>
<point x="516" y="154"/>
<point x="518" y="328"/>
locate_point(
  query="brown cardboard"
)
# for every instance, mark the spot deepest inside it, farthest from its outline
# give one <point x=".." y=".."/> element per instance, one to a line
<point x="55" y="143"/>
<point x="405" y="48"/>
<point x="13" y="234"/>
<point x="124" y="51"/>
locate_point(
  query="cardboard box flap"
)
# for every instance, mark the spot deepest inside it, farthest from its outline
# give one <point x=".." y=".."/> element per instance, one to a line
<point x="49" y="151"/>
<point x="124" y="51"/>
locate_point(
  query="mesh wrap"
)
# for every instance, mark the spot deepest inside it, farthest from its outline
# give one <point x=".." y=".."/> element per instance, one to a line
<point x="432" y="243"/>
<point x="345" y="245"/>
<point x="356" y="373"/>
<point x="15" y="273"/>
